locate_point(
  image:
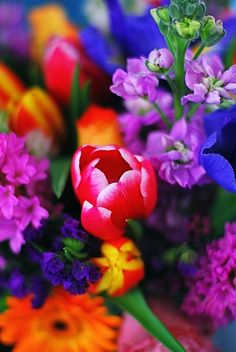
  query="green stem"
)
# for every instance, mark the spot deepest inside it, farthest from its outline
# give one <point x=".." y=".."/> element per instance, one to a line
<point x="199" y="51"/>
<point x="134" y="303"/>
<point x="163" y="115"/>
<point x="191" y="111"/>
<point x="179" y="76"/>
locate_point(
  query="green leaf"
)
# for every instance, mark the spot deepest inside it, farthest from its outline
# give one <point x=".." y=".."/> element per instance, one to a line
<point x="134" y="303"/>
<point x="60" y="169"/>
<point x="222" y="211"/>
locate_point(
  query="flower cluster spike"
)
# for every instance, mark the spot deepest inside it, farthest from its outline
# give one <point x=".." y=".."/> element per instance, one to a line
<point x="181" y="9"/>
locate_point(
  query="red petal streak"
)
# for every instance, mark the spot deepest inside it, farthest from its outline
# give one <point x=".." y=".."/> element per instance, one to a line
<point x="97" y="221"/>
<point x="123" y="198"/>
<point x="148" y="186"/>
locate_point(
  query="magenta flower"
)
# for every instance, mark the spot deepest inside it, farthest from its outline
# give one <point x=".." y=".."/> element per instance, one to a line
<point x="7" y="201"/>
<point x="212" y="291"/>
<point x="209" y="83"/>
<point x="30" y="211"/>
<point x="176" y="154"/>
<point x="20" y="198"/>
<point x="138" y="81"/>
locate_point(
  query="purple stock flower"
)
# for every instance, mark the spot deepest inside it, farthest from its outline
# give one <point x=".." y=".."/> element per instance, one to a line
<point x="160" y="59"/>
<point x="208" y="81"/>
<point x="142" y="119"/>
<point x="138" y="81"/>
<point x="212" y="290"/>
<point x="176" y="154"/>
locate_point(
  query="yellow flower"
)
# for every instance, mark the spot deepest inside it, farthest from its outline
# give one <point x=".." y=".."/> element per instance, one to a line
<point x="66" y="323"/>
<point x="121" y="265"/>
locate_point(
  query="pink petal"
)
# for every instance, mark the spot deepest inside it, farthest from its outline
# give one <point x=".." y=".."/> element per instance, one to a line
<point x="93" y="181"/>
<point x="123" y="198"/>
<point x="97" y="221"/>
<point x="80" y="159"/>
<point x="148" y="186"/>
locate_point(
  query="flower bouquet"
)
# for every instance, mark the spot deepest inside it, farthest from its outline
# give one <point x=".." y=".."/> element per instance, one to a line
<point x="117" y="212"/>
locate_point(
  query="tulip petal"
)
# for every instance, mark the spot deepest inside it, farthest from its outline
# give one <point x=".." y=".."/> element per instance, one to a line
<point x="148" y="186"/>
<point x="97" y="221"/>
<point x="79" y="161"/>
<point x="123" y="198"/>
<point x="111" y="163"/>
<point x="93" y="181"/>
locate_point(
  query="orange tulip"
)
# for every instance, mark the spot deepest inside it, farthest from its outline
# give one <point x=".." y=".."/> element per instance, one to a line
<point x="46" y="22"/>
<point x="121" y="265"/>
<point x="99" y="126"/>
<point x="11" y="86"/>
<point x="36" y="110"/>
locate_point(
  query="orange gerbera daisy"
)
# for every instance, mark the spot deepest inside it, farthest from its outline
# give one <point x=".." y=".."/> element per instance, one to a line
<point x="66" y="323"/>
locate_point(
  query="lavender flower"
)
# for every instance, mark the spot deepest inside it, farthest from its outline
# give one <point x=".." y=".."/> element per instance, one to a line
<point x="20" y="203"/>
<point x="212" y="289"/>
<point x="175" y="154"/>
<point x="138" y="81"/>
<point x="208" y="81"/>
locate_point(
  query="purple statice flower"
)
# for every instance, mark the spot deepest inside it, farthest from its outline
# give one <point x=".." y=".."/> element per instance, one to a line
<point x="20" y="204"/>
<point x="142" y="119"/>
<point x="208" y="81"/>
<point x="138" y="81"/>
<point x="71" y="228"/>
<point x="176" y="154"/>
<point x="53" y="268"/>
<point x="17" y="284"/>
<point x="13" y="32"/>
<point x="212" y="290"/>
<point x="74" y="277"/>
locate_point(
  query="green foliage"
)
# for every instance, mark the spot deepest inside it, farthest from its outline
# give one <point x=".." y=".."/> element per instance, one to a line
<point x="134" y="303"/>
<point x="60" y="169"/>
<point x="222" y="211"/>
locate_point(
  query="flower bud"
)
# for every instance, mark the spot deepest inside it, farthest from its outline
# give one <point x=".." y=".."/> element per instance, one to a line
<point x="188" y="29"/>
<point x="11" y="86"/>
<point x="161" y="17"/>
<point x="121" y="266"/>
<point x="160" y="60"/>
<point x="212" y="31"/>
<point x="36" y="110"/>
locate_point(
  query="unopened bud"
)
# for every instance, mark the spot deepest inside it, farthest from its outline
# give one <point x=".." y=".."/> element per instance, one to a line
<point x="160" y="60"/>
<point x="188" y="29"/>
<point x="212" y="31"/>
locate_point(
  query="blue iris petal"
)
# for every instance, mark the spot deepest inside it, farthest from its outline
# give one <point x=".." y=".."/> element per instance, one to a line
<point x="133" y="36"/>
<point x="218" y="154"/>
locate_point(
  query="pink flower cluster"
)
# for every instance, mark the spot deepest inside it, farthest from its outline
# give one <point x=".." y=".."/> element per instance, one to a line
<point x="212" y="291"/>
<point x="20" y="174"/>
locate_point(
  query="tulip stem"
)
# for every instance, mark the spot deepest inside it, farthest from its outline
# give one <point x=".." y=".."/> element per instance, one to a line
<point x="199" y="51"/>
